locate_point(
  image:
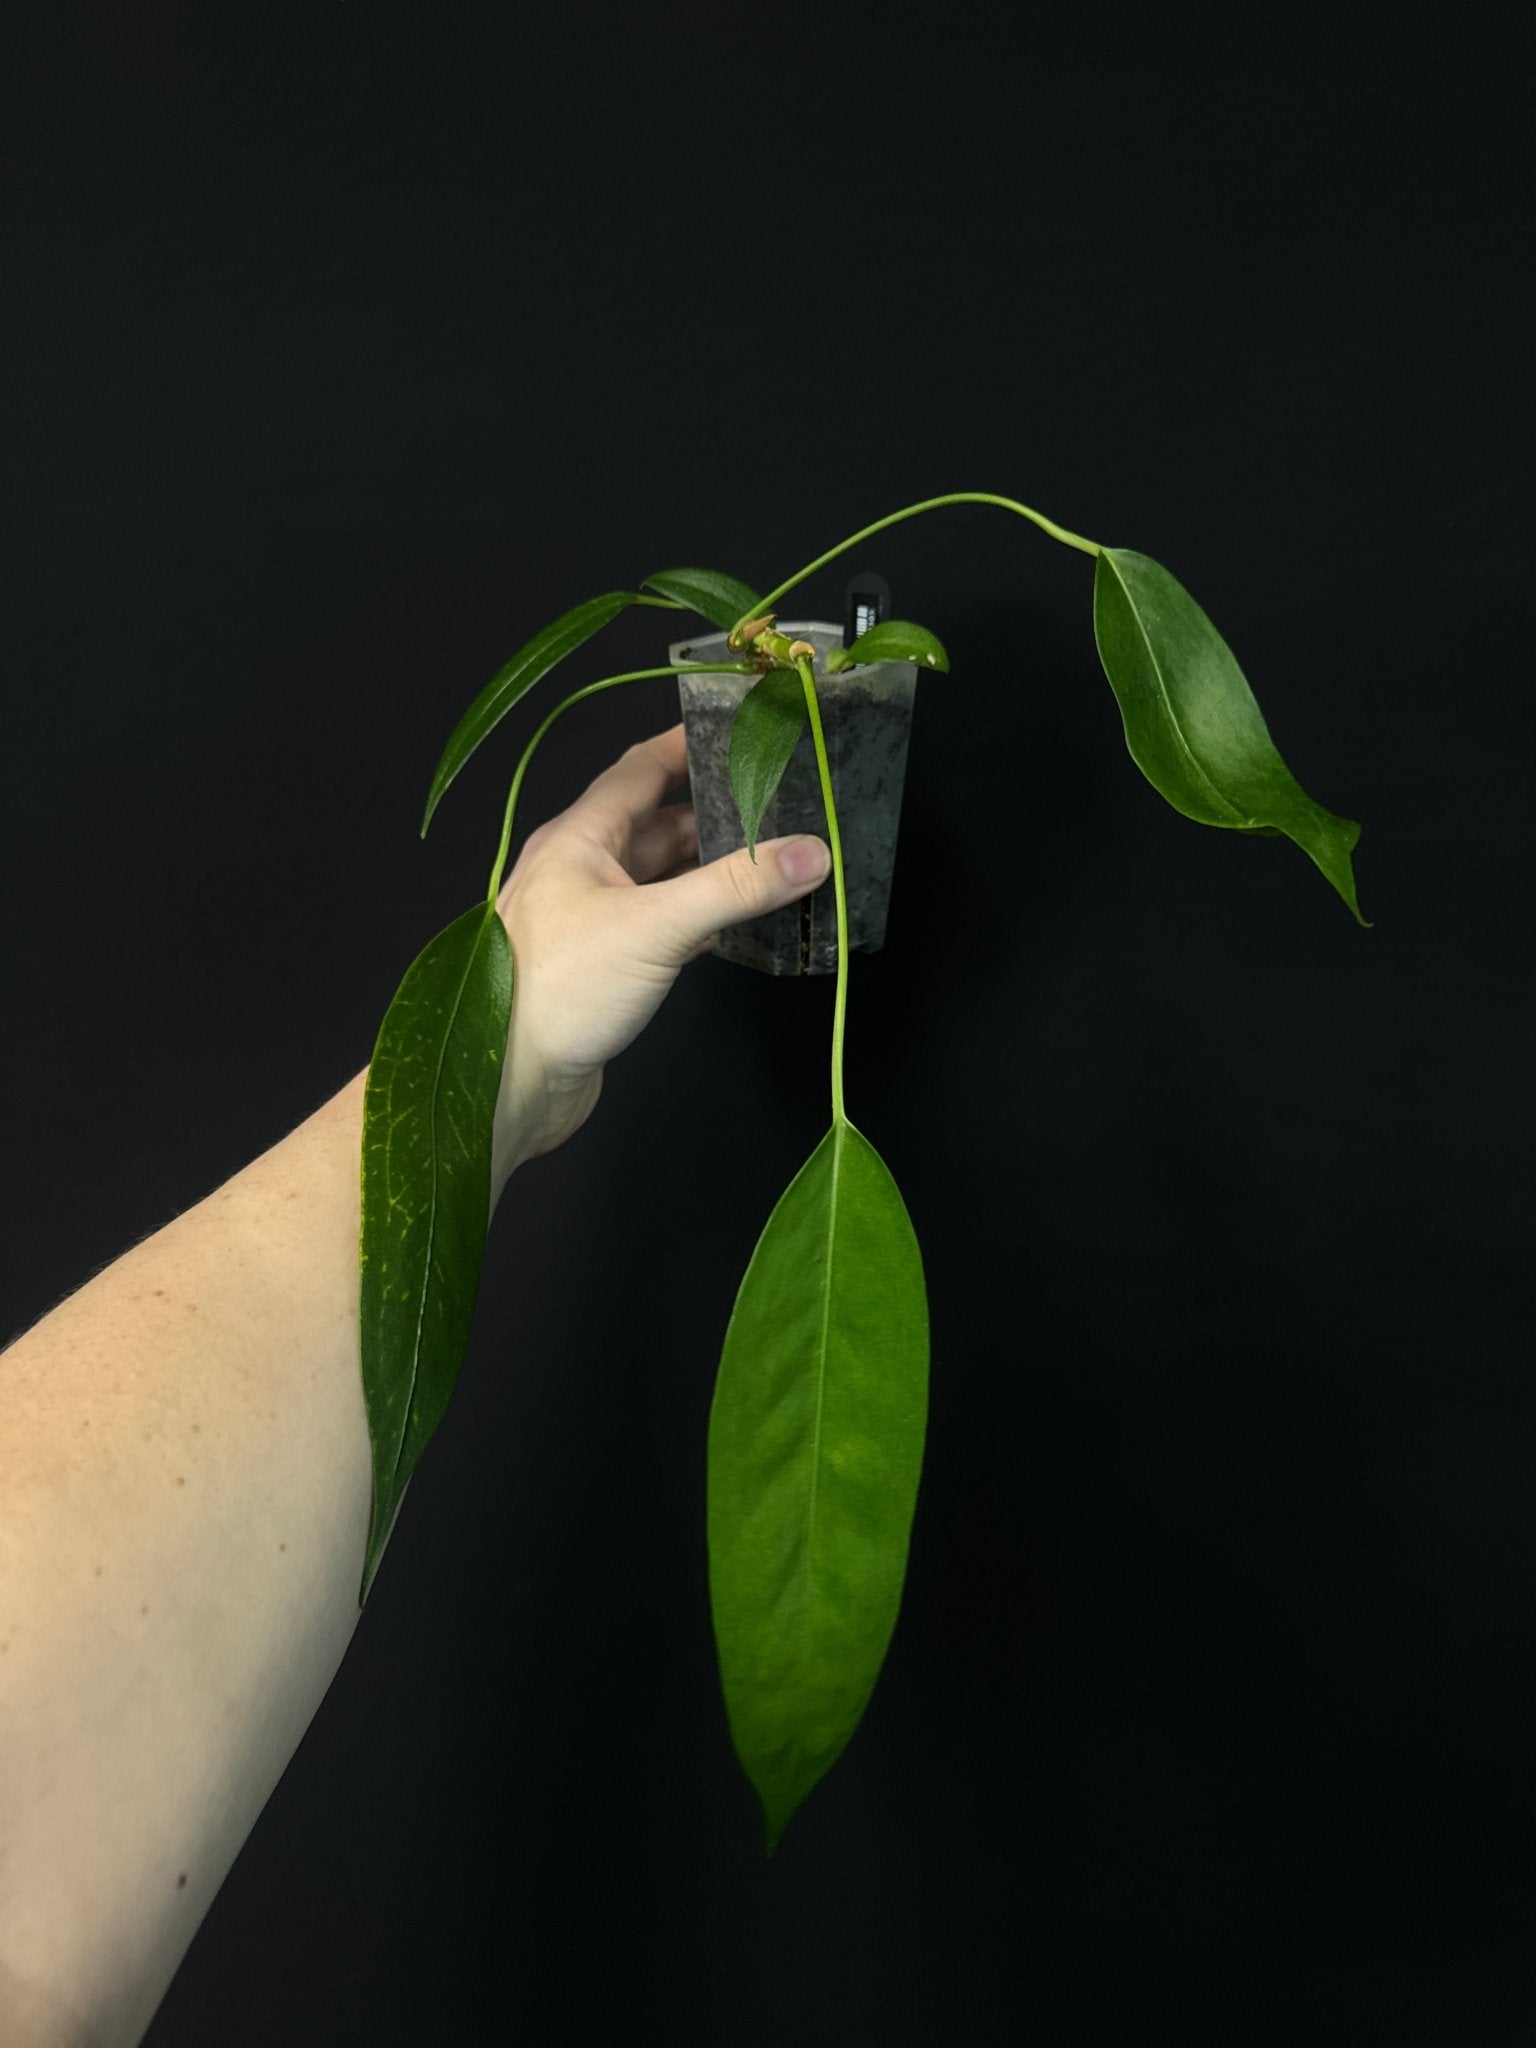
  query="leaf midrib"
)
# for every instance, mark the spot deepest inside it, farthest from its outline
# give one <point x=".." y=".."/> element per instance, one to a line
<point x="821" y="1369"/>
<point x="426" y="1277"/>
<point x="1157" y="670"/>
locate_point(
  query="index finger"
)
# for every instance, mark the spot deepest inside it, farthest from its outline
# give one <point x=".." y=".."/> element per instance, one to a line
<point x="636" y="783"/>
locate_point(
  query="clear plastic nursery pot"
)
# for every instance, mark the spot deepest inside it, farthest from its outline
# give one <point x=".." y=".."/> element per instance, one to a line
<point x="866" y="714"/>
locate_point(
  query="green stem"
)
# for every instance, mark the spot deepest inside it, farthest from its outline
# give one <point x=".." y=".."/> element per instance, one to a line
<point x="1071" y="540"/>
<point x="634" y="675"/>
<point x="834" y="840"/>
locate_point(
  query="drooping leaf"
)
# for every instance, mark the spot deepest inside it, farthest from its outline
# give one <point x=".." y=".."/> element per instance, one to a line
<point x="1192" y="724"/>
<point x="890" y="640"/>
<point x="815" y="1451"/>
<point x="768" y="722"/>
<point x="542" y="653"/>
<point x="719" y="598"/>
<point x="429" y="1108"/>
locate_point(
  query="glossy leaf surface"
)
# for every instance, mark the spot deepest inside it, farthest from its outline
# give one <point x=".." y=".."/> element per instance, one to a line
<point x="1192" y="724"/>
<point x="815" y="1452"/>
<point x="719" y="598"/>
<point x="890" y="640"/>
<point x="542" y="653"/>
<point x="769" y="721"/>
<point x="428" y="1118"/>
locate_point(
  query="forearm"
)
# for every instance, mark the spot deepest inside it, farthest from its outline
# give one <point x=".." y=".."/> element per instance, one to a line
<point x="184" y="1498"/>
<point x="185" y="1478"/>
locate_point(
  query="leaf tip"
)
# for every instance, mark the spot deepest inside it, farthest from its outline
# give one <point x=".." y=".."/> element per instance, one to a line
<point x="370" y="1566"/>
<point x="780" y="1804"/>
<point x="1343" y="879"/>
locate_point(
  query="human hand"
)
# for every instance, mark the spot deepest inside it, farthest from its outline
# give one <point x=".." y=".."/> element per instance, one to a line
<point x="606" y="904"/>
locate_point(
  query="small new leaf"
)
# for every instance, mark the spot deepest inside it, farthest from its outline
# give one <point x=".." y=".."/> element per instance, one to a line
<point x="769" y="722"/>
<point x="815" y="1453"/>
<point x="542" y="653"/>
<point x="429" y="1110"/>
<point x="1192" y="724"/>
<point x="890" y="640"/>
<point x="720" y="599"/>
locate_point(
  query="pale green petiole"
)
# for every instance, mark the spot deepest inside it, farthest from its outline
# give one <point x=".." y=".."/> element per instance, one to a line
<point x="834" y="840"/>
<point x="1061" y="533"/>
<point x="634" y="675"/>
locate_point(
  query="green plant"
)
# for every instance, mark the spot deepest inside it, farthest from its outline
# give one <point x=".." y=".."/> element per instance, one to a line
<point x="817" y="1424"/>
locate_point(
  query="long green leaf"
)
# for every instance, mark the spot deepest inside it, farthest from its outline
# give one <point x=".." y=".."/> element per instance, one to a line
<point x="429" y="1109"/>
<point x="1192" y="723"/>
<point x="891" y="640"/>
<point x="719" y="598"/>
<point x="768" y="722"/>
<point x="542" y="653"/>
<point x="815" y="1452"/>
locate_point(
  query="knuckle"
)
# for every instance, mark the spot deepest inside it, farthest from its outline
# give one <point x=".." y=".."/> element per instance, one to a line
<point x="740" y="877"/>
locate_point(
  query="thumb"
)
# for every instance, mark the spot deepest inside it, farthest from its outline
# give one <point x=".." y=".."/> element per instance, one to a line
<point x="691" y="908"/>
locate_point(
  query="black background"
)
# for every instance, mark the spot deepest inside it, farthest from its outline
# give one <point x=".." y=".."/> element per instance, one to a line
<point x="345" y="347"/>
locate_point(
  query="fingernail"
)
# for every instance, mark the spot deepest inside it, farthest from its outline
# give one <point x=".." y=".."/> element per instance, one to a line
<point x="804" y="860"/>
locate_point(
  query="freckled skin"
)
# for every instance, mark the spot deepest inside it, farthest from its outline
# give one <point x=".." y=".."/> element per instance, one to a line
<point x="280" y="1346"/>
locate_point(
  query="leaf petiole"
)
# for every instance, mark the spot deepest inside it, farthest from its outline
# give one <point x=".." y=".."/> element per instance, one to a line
<point x="634" y="675"/>
<point x="1061" y="533"/>
<point x="839" y="885"/>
